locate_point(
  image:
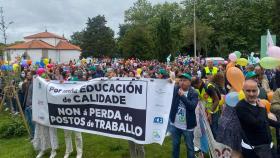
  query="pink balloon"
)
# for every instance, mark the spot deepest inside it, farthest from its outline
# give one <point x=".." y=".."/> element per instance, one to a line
<point x="232" y="57"/>
<point x="40" y="71"/>
<point x="274" y="51"/>
<point x="225" y="62"/>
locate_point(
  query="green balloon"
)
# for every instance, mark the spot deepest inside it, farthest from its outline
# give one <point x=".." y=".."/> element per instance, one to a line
<point x="270" y="62"/>
<point x="238" y="54"/>
<point x="44" y="75"/>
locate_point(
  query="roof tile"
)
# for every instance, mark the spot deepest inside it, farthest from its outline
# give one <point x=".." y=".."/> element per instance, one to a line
<point x="44" y="35"/>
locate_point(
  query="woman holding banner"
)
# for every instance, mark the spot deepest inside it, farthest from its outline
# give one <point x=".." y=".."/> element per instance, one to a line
<point x="68" y="133"/>
<point x="45" y="138"/>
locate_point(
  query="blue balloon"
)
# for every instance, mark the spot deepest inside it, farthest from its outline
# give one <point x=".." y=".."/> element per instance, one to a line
<point x="232" y="99"/>
<point x="42" y="64"/>
<point x="23" y="63"/>
<point x="37" y="63"/>
<point x="3" y="67"/>
<point x="9" y="67"/>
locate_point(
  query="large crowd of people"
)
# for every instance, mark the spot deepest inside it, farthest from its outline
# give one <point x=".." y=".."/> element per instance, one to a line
<point x="245" y="127"/>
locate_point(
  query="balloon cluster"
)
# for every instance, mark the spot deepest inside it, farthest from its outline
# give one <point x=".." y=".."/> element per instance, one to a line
<point x="6" y="67"/>
<point x="236" y="79"/>
<point x="273" y="59"/>
<point x="253" y="60"/>
<point x="10" y="67"/>
<point x="42" y="66"/>
<point x="235" y="57"/>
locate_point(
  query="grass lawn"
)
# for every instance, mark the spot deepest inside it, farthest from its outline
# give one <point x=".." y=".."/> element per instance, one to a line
<point x="94" y="146"/>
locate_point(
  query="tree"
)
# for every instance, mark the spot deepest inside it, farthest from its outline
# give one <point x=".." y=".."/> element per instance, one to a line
<point x="275" y="19"/>
<point x="3" y="28"/>
<point x="2" y="47"/>
<point x="173" y="13"/>
<point x="3" y="25"/>
<point x="238" y="25"/>
<point x="77" y="38"/>
<point x="164" y="41"/>
<point x="203" y="32"/>
<point x="138" y="43"/>
<point x="143" y="14"/>
<point x="123" y="29"/>
<point x="223" y="25"/>
<point x="96" y="39"/>
<point x="140" y="13"/>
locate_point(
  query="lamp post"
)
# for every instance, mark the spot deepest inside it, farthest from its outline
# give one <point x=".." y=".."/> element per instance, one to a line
<point x="194" y="29"/>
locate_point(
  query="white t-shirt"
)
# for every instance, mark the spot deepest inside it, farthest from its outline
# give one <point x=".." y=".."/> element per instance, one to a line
<point x="180" y="118"/>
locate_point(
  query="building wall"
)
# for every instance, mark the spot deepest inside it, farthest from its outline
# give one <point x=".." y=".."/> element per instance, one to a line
<point x="34" y="54"/>
<point x="53" y="54"/>
<point x="63" y="56"/>
<point x="57" y="56"/>
<point x="67" y="55"/>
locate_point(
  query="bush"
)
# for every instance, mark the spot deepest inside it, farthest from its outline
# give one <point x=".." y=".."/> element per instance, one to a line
<point x="13" y="128"/>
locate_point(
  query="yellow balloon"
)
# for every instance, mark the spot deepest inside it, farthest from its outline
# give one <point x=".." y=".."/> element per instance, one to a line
<point x="15" y="67"/>
<point x="241" y="95"/>
<point x="139" y="70"/>
<point x="84" y="60"/>
<point x="242" y="62"/>
<point x="46" y="61"/>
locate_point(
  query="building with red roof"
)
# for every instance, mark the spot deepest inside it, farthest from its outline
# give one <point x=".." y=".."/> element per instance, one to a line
<point x="44" y="45"/>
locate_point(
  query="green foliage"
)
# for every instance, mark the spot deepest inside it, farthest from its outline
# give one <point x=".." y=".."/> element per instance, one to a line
<point x="237" y="24"/>
<point x="94" y="146"/>
<point x="275" y="19"/>
<point x="203" y="33"/>
<point x="77" y="38"/>
<point x="96" y="39"/>
<point x="164" y="40"/>
<point x="13" y="128"/>
<point x="222" y="26"/>
<point x="137" y="42"/>
<point x="2" y="46"/>
<point x="140" y="13"/>
<point x="162" y="23"/>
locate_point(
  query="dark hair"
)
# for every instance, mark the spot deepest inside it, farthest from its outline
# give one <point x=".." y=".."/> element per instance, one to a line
<point x="196" y="80"/>
<point x="219" y="79"/>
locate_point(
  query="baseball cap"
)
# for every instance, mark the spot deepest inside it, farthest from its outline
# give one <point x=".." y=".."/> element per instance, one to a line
<point x="186" y="75"/>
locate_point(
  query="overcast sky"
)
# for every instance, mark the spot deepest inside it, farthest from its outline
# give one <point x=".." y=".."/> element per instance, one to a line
<point x="61" y="16"/>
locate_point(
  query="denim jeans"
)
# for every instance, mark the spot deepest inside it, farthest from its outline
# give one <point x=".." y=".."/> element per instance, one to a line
<point x="14" y="105"/>
<point x="21" y="99"/>
<point x="28" y="116"/>
<point x="176" y="141"/>
<point x="214" y="125"/>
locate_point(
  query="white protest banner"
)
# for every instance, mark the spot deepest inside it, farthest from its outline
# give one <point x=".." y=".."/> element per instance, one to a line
<point x="217" y="150"/>
<point x="125" y="108"/>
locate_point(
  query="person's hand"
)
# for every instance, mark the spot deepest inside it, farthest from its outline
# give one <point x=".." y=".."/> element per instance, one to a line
<point x="260" y="104"/>
<point x="180" y="92"/>
<point x="209" y="117"/>
<point x="61" y="81"/>
<point x="272" y="116"/>
<point x="170" y="80"/>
